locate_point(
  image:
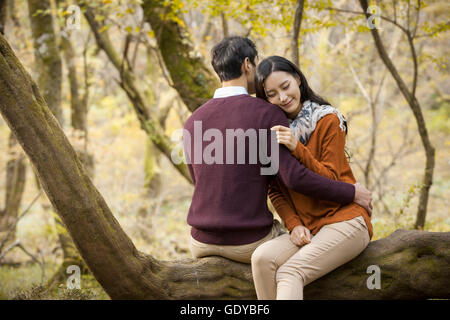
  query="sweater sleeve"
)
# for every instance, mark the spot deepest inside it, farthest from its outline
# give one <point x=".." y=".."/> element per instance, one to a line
<point x="332" y="153"/>
<point x="281" y="204"/>
<point x="300" y="179"/>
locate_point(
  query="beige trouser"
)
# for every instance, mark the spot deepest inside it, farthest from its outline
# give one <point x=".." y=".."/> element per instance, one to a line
<point x="281" y="269"/>
<point x="241" y="253"/>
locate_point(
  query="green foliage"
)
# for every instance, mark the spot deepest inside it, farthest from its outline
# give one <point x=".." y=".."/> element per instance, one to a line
<point x="259" y="15"/>
<point x="439" y="117"/>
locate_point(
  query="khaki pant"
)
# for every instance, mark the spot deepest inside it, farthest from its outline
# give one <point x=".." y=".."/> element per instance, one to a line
<point x="241" y="253"/>
<point x="281" y="269"/>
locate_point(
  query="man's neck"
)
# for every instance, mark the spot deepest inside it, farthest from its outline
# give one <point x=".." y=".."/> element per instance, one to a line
<point x="239" y="82"/>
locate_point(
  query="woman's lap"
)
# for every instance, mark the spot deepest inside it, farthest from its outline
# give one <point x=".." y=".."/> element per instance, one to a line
<point x="332" y="246"/>
<point x="280" y="263"/>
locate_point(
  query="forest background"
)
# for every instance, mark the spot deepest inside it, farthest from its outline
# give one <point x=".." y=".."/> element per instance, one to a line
<point x="106" y="55"/>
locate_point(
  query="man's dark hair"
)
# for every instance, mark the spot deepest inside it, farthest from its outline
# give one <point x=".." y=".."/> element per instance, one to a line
<point x="229" y="54"/>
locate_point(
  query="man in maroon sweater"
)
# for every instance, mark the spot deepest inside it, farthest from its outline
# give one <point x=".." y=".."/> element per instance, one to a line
<point x="227" y="142"/>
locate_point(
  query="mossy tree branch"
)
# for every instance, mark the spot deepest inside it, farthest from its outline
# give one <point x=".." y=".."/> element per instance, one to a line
<point x="193" y="80"/>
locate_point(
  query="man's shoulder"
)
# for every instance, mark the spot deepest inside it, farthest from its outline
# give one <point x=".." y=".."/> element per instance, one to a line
<point x="266" y="108"/>
<point x="261" y="103"/>
<point x="197" y="112"/>
<point x="266" y="111"/>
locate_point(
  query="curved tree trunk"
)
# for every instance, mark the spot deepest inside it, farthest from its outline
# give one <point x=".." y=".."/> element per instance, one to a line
<point x="193" y="80"/>
<point x="414" y="264"/>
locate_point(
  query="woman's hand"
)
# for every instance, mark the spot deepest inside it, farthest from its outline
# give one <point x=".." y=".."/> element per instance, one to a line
<point x="300" y="236"/>
<point x="286" y="137"/>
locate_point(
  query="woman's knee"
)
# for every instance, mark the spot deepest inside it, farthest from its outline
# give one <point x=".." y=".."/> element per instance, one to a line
<point x="289" y="272"/>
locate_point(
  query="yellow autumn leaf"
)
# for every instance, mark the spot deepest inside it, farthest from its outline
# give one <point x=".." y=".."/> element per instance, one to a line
<point x="104" y="28"/>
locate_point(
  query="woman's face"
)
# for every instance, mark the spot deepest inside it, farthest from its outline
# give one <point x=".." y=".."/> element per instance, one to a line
<point x="283" y="90"/>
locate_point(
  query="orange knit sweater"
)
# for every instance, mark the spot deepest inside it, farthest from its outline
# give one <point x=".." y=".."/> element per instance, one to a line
<point x="324" y="154"/>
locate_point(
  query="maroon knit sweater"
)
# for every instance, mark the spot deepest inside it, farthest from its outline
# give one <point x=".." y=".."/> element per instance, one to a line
<point x="229" y="205"/>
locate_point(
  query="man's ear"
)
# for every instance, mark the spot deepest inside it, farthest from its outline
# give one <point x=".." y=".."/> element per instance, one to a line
<point x="247" y="64"/>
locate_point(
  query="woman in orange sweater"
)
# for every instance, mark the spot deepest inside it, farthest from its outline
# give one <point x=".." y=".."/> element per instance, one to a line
<point x="322" y="235"/>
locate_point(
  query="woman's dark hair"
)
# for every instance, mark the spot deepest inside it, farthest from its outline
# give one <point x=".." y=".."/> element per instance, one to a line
<point x="229" y="54"/>
<point x="277" y="63"/>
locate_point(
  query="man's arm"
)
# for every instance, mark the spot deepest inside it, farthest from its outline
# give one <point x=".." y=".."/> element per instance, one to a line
<point x="300" y="179"/>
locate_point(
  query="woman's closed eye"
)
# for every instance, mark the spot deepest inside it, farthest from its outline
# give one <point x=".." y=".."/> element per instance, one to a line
<point x="271" y="95"/>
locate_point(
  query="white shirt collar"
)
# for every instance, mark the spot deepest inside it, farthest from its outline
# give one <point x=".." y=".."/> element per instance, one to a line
<point x="229" y="91"/>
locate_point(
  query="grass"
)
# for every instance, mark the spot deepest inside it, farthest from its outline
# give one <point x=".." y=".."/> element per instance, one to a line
<point x="28" y="283"/>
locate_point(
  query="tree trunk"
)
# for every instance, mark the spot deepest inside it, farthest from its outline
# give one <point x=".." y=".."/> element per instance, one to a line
<point x="414" y="264"/>
<point x="48" y="65"/>
<point x="417" y="111"/>
<point x="79" y="109"/>
<point x="3" y="13"/>
<point x="224" y="21"/>
<point x="153" y="177"/>
<point x="15" y="186"/>
<point x="296" y="31"/>
<point x="193" y="80"/>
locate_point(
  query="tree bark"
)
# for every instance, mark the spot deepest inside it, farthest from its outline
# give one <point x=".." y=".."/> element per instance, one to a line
<point x="417" y="111"/>
<point x="48" y="66"/>
<point x="3" y="14"/>
<point x="414" y="264"/>
<point x="194" y="81"/>
<point x="296" y="31"/>
<point x="15" y="186"/>
<point x="15" y="177"/>
<point x="223" y="18"/>
<point x="153" y="178"/>
<point x="78" y="106"/>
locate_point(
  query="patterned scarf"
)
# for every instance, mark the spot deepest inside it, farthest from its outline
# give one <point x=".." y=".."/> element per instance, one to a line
<point x="307" y="119"/>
